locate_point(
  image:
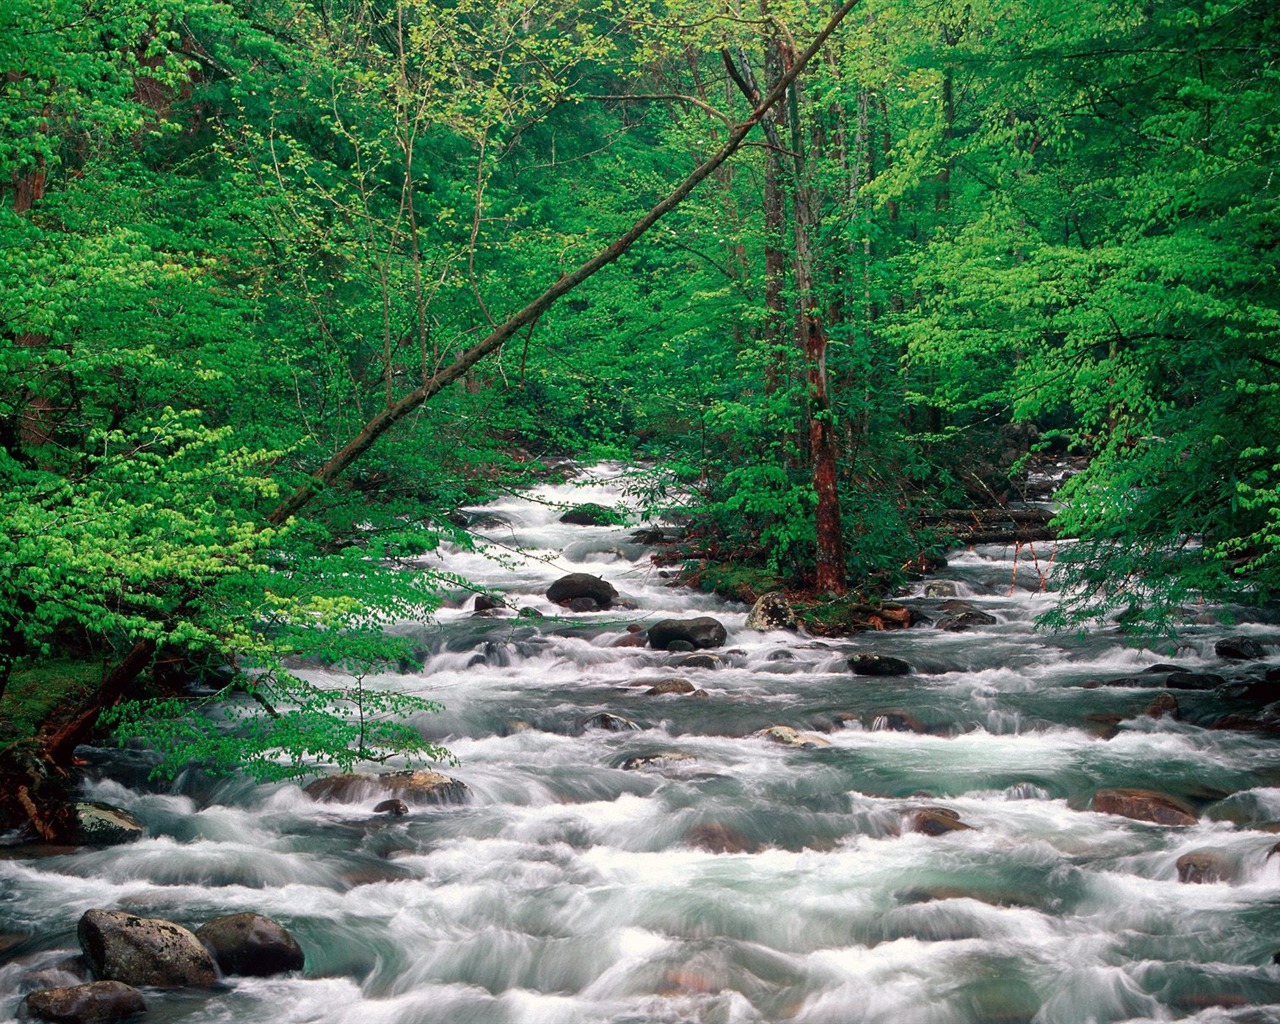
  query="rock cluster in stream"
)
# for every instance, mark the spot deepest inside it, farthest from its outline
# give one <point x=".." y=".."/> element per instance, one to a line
<point x="125" y="952"/>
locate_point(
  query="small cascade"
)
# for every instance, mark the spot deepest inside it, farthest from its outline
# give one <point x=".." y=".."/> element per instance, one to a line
<point x="639" y="843"/>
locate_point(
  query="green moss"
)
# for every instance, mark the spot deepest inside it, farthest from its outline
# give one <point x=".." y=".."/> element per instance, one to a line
<point x="735" y="582"/>
<point x="37" y="691"/>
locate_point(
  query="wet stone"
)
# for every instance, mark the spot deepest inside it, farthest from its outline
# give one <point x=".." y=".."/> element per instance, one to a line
<point x="581" y="584"/>
<point x="670" y="686"/>
<point x="771" y="611"/>
<point x="99" y="1002"/>
<point x="878" y="665"/>
<point x="701" y="661"/>
<point x="664" y="759"/>
<point x="607" y="722"/>
<point x="786" y="736"/>
<point x="715" y="837"/>
<point x="700" y="633"/>
<point x="1164" y="706"/>
<point x="1239" y="648"/>
<point x="252" y="945"/>
<point x="144" y="951"/>
<point x="1204" y="867"/>
<point x="1194" y="681"/>
<point x="959" y="622"/>
<point x="1144" y="805"/>
<point x="103" y="825"/>
<point x="396" y="808"/>
<point x="936" y="821"/>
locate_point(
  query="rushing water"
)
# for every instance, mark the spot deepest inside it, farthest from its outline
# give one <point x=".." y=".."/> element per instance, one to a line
<point x="742" y="881"/>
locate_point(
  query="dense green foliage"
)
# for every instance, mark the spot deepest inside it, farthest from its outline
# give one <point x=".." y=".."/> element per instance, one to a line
<point x="231" y="232"/>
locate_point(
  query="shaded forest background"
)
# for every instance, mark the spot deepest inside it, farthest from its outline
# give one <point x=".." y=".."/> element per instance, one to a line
<point x="233" y="234"/>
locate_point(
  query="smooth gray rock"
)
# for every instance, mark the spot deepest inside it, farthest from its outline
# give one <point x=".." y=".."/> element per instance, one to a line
<point x="144" y="951"/>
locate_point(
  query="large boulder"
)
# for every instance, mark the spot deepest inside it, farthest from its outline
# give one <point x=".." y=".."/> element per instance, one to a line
<point x="771" y="611"/>
<point x="936" y="821"/>
<point x="582" y="584"/>
<point x="416" y="786"/>
<point x="99" y="1002"/>
<point x="701" y="632"/>
<point x="1144" y="805"/>
<point x="251" y="944"/>
<point x="144" y="951"/>
<point x="103" y="825"/>
<point x="1239" y="648"/>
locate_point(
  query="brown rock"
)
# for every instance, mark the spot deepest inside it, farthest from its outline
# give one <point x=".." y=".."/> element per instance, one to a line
<point x="715" y="837"/>
<point x="415" y="786"/>
<point x="99" y="1002"/>
<point x="666" y="686"/>
<point x="1164" y="706"/>
<point x="1204" y="867"/>
<point x="1144" y="805"/>
<point x="936" y="821"/>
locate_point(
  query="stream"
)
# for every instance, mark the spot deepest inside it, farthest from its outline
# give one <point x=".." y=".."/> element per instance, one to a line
<point x="691" y="870"/>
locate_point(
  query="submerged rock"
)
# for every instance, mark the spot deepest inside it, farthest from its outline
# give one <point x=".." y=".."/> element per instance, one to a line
<point x="878" y="665"/>
<point x="701" y="661"/>
<point x="1202" y="867"/>
<point x="99" y="1002"/>
<point x="936" y="821"/>
<point x="606" y="721"/>
<point x="771" y="611"/>
<point x="144" y="951"/>
<point x="1164" y="706"/>
<point x="582" y="584"/>
<point x="250" y="944"/>
<point x="664" y="759"/>
<point x="896" y="721"/>
<point x="103" y="825"/>
<point x="396" y="808"/>
<point x="668" y="686"/>
<point x="1144" y="805"/>
<point x="701" y="632"/>
<point x="715" y="837"/>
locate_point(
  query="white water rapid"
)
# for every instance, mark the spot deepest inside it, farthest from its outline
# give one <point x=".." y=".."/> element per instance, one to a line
<point x="734" y="880"/>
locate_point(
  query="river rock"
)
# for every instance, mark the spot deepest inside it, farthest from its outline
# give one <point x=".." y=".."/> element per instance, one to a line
<point x="487" y="603"/>
<point x="396" y="808"/>
<point x="581" y="584"/>
<point x="701" y="632"/>
<point x="789" y="737"/>
<point x="1239" y="648"/>
<point x="896" y="721"/>
<point x="250" y="944"/>
<point x="144" y="951"/>
<point x="668" y="686"/>
<point x="416" y="786"/>
<point x="1144" y="805"/>
<point x="1194" y="681"/>
<point x="103" y="825"/>
<point x="715" y="837"/>
<point x="960" y="621"/>
<point x="1204" y="867"/>
<point x="1164" y="706"/>
<point x="584" y="604"/>
<point x="936" y="821"/>
<point x="940" y="588"/>
<point x="631" y="640"/>
<point x="589" y="514"/>
<point x="606" y="721"/>
<point x="99" y="1002"/>
<point x="663" y="759"/>
<point x="878" y="665"/>
<point x="771" y="611"/>
<point x="701" y="661"/>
